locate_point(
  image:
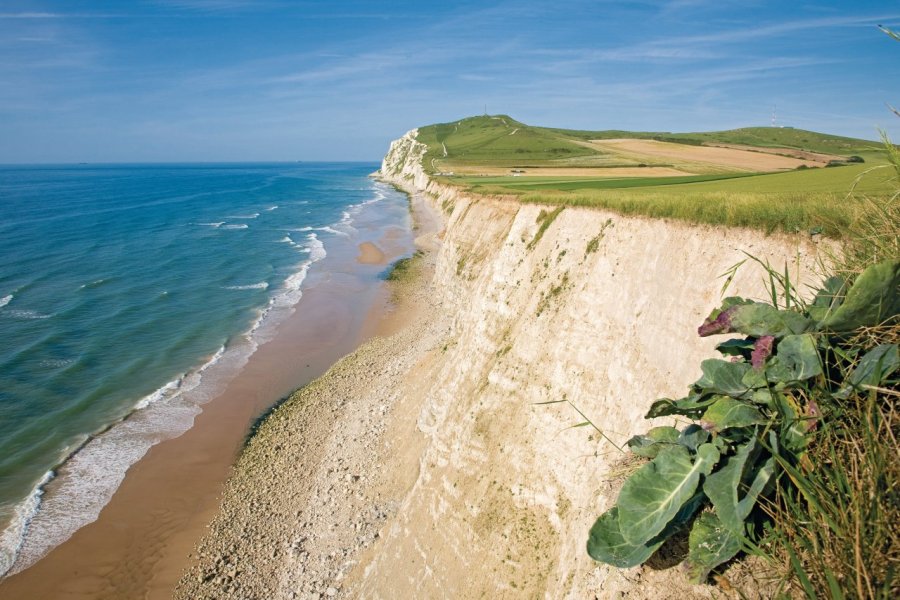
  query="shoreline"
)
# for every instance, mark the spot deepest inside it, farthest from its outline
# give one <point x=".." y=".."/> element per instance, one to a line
<point x="138" y="545"/>
<point x="310" y="488"/>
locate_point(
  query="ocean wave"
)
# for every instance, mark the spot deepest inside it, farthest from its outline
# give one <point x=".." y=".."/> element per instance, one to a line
<point x="252" y="286"/>
<point x="93" y="284"/>
<point x="94" y="470"/>
<point x="236" y="226"/>
<point x="11" y="538"/>
<point x="215" y="225"/>
<point x="27" y="315"/>
<point x="293" y="283"/>
<point x="328" y="229"/>
<point x="5" y="300"/>
<point x="316" y="248"/>
<point x="57" y="363"/>
<point x="253" y="216"/>
<point x="301" y="229"/>
<point x="271" y="208"/>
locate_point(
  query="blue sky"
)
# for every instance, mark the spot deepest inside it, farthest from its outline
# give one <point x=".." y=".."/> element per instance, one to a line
<point x="233" y="80"/>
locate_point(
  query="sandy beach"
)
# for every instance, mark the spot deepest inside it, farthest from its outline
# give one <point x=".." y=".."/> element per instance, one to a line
<point x="370" y="254"/>
<point x="313" y="487"/>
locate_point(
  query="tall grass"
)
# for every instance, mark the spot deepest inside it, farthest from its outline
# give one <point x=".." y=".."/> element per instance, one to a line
<point x="836" y="531"/>
<point x="784" y="212"/>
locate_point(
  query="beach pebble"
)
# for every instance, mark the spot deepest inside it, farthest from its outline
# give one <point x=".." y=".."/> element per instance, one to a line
<point x="331" y="592"/>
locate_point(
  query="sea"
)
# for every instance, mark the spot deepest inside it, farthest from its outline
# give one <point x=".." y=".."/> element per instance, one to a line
<point x="129" y="295"/>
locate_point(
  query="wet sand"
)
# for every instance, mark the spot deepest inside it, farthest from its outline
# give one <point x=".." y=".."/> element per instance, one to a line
<point x="140" y="545"/>
<point x="370" y="254"/>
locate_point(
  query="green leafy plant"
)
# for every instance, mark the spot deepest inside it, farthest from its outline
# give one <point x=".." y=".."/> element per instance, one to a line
<point x="753" y="415"/>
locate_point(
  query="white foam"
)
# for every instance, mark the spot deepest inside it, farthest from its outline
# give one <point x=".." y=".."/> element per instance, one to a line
<point x="27" y="315"/>
<point x="93" y="284"/>
<point x="293" y="283"/>
<point x="327" y="229"/>
<point x="271" y="208"/>
<point x="292" y="293"/>
<point x="149" y="399"/>
<point x="57" y="363"/>
<point x="252" y="286"/>
<point x="213" y="225"/>
<point x="11" y="538"/>
<point x="236" y="226"/>
<point x="253" y="216"/>
<point x="301" y="229"/>
<point x="5" y="300"/>
<point x="316" y="248"/>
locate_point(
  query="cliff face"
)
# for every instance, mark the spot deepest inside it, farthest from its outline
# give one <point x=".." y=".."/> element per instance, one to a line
<point x="597" y="309"/>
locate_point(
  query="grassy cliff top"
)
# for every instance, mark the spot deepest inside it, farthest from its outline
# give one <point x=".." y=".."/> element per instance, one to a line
<point x="760" y="177"/>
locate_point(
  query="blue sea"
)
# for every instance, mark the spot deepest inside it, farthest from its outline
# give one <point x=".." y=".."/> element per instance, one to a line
<point x="127" y="294"/>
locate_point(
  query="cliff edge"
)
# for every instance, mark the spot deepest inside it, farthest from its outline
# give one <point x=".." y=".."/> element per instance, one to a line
<point x="545" y="305"/>
<point x="428" y="463"/>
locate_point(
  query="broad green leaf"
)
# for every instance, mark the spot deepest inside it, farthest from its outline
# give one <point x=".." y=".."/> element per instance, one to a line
<point x="736" y="347"/>
<point x="727" y="303"/>
<point x="723" y="377"/>
<point x="872" y="299"/>
<point x="828" y="298"/>
<point x="759" y="319"/>
<point x="754" y="379"/>
<point x="796" y="359"/>
<point x="606" y="544"/>
<point x="656" y="492"/>
<point x="873" y="369"/>
<point x="653" y="441"/>
<point x="734" y="487"/>
<point x="728" y="412"/>
<point x="692" y="437"/>
<point x="691" y="406"/>
<point x="709" y="545"/>
<point x="763" y="397"/>
<point x="793" y="432"/>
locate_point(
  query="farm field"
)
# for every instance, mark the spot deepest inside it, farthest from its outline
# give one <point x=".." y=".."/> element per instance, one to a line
<point x="793" y="180"/>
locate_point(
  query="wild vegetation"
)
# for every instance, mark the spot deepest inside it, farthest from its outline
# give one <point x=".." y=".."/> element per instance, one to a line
<point x="754" y="414"/>
<point x="790" y="450"/>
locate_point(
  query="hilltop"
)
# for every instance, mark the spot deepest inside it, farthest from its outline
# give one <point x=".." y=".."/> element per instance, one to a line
<point x="499" y="141"/>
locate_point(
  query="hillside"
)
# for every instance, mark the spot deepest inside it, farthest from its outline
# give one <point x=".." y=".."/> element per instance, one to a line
<point x="765" y="178"/>
<point x="500" y="141"/>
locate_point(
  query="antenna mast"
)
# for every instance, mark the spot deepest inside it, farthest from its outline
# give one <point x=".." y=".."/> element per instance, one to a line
<point x="774" y="114"/>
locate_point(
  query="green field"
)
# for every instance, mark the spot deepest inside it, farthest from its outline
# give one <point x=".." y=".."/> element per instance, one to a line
<point x="500" y="140"/>
<point x="813" y="199"/>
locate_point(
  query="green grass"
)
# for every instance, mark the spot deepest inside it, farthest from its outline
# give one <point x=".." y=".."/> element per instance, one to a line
<point x="799" y="200"/>
<point x="812" y="199"/>
<point x="488" y="140"/>
<point x="404" y="268"/>
<point x="545" y="220"/>
<point x="516" y="184"/>
<point x="764" y="137"/>
<point x="500" y="140"/>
